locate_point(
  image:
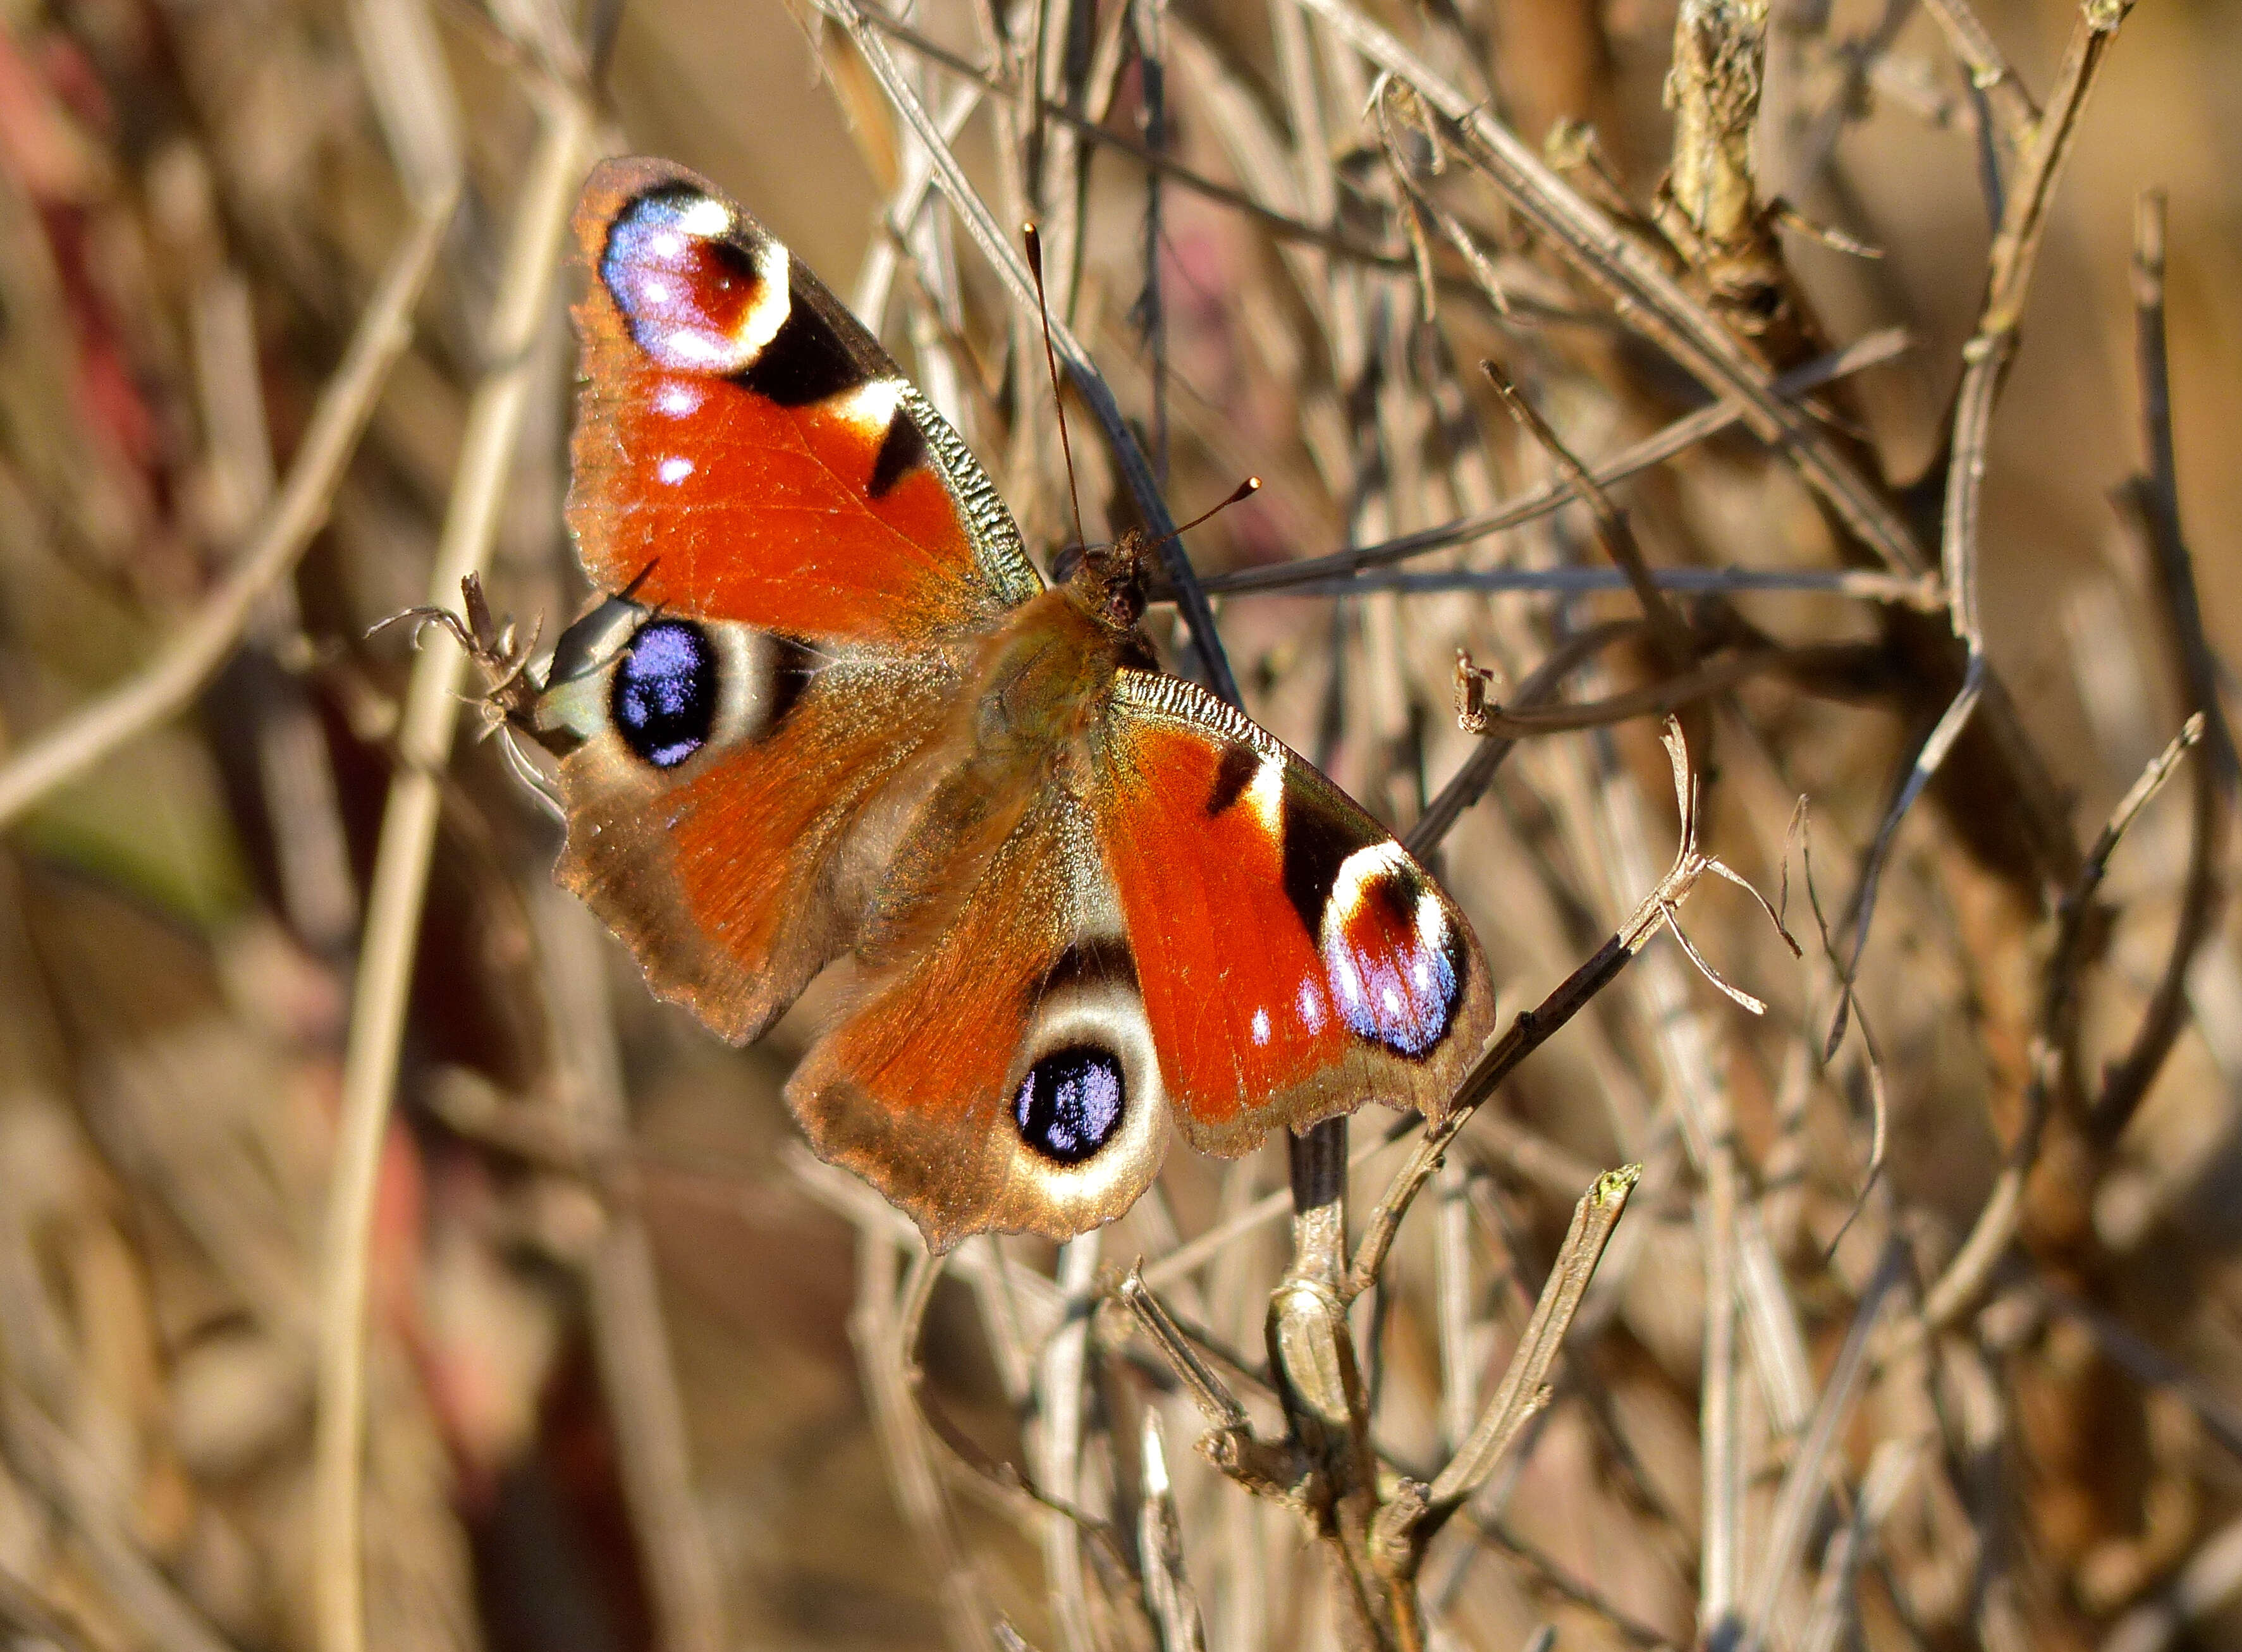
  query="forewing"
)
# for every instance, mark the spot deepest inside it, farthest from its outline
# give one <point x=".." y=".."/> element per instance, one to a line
<point x="1296" y="962"/>
<point x="746" y="451"/>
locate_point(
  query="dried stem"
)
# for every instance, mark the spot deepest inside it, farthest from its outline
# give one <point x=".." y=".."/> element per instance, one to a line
<point x="1645" y="294"/>
<point x="1985" y="358"/>
<point x="191" y="658"/>
<point x="996" y="246"/>
<point x="1913" y="591"/>
<point x="1533" y="1028"/>
<point x="1678" y="437"/>
<point x="408" y="834"/>
<point x="1409" y="1522"/>
<point x="1668" y="631"/>
<point x="1061" y="1379"/>
<point x="1973" y="1266"/>
<point x="1989" y="71"/>
<point x="886" y="1332"/>
<point x="1803" y="1489"/>
<point x="630" y="1333"/>
<point x="1169" y="1598"/>
<point x="1153" y="160"/>
<point x="76" y="1485"/>
<point x="2154" y="501"/>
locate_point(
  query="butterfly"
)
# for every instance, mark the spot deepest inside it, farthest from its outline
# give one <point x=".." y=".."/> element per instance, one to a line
<point x="829" y="710"/>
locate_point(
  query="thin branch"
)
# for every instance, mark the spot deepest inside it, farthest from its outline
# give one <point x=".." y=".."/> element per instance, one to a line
<point x="191" y="658"/>
<point x="1682" y="434"/>
<point x="885" y="1331"/>
<point x="1061" y="1379"/>
<point x="408" y="834"/>
<point x="1972" y="1266"/>
<point x="1471" y="782"/>
<point x="1452" y="1295"/>
<point x="1523" y="1390"/>
<point x="1645" y="294"/>
<point x="1803" y="1481"/>
<point x="2154" y="498"/>
<point x="79" y="1489"/>
<point x="1528" y="1032"/>
<point x="1156" y="161"/>
<point x="1835" y="660"/>
<point x="1579" y="1591"/>
<point x="2151" y="1365"/>
<point x="1197" y="1252"/>
<point x="629" y="1331"/>
<point x="1989" y="71"/>
<point x="1669" y="632"/>
<point x="996" y="246"/>
<point x="1207" y="1390"/>
<point x="1909" y="590"/>
<point x="1985" y="358"/>
<point x="1170" y="1600"/>
<point x="1891" y="1468"/>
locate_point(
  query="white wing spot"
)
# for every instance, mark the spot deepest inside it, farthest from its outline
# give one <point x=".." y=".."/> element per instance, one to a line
<point x="707" y="218"/>
<point x="688" y="347"/>
<point x="769" y="313"/>
<point x="871" y="408"/>
<point x="1356" y="873"/>
<point x="1432" y="939"/>
<point x="679" y="398"/>
<point x="1266" y="794"/>
<point x="1261" y="1026"/>
<point x="674" y="469"/>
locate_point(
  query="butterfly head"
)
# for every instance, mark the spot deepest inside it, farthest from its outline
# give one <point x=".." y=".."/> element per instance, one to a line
<point x="1110" y="582"/>
<point x="1106" y="581"/>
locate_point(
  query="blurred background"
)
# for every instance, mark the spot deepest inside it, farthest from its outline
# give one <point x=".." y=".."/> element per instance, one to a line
<point x="632" y="1375"/>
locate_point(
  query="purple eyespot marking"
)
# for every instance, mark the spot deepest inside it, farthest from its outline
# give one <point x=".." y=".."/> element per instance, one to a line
<point x="664" y="697"/>
<point x="1070" y="1103"/>
<point x="694" y="297"/>
<point x="1395" y="964"/>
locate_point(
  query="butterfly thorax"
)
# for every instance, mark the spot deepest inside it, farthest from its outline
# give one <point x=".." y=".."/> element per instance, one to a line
<point x="1039" y="678"/>
<point x="1038" y="683"/>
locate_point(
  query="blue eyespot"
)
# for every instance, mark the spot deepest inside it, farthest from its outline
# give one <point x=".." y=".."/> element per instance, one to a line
<point x="689" y="284"/>
<point x="664" y="699"/>
<point x="1070" y="1103"/>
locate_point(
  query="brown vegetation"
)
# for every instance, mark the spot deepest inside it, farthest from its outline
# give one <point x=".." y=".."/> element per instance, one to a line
<point x="1836" y="389"/>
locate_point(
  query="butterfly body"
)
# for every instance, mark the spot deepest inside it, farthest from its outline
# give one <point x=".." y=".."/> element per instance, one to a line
<point x="832" y="714"/>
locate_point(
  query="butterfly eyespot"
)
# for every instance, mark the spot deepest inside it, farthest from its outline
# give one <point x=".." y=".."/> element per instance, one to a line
<point x="1395" y="964"/>
<point x="695" y="297"/>
<point x="1071" y="1103"/>
<point x="664" y="698"/>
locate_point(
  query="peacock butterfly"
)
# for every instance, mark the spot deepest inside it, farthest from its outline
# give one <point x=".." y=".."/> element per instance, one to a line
<point x="830" y="710"/>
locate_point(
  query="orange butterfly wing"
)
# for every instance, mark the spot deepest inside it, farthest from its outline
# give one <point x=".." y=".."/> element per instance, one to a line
<point x="807" y="553"/>
<point x="1295" y="961"/>
<point x="746" y="451"/>
<point x="1189" y="926"/>
<point x="1001" y="1077"/>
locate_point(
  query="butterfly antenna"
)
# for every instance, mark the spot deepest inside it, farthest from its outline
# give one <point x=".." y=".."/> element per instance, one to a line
<point x="1245" y="489"/>
<point x="1035" y="240"/>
